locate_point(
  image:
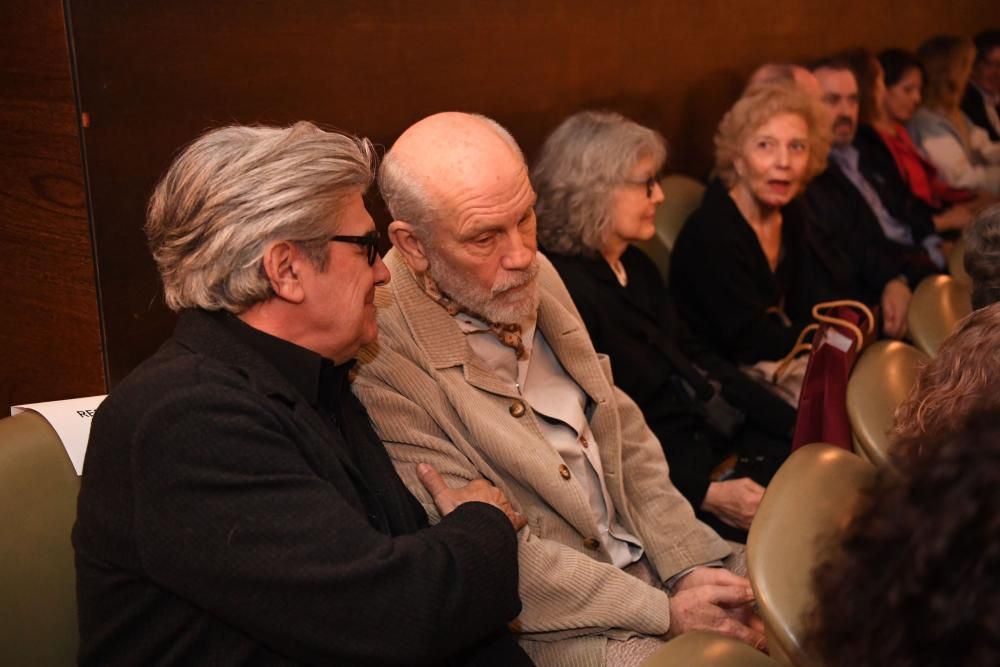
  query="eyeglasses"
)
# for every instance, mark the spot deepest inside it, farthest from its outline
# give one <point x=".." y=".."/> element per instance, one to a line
<point x="650" y="184"/>
<point x="368" y="241"/>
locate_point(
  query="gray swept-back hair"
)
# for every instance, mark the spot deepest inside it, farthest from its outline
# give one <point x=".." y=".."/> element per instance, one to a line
<point x="578" y="168"/>
<point x="234" y="190"/>
<point x="408" y="200"/>
<point x="982" y="257"/>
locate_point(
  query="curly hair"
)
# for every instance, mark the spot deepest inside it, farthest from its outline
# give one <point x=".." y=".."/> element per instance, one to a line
<point x="579" y="166"/>
<point x="912" y="580"/>
<point x="947" y="64"/>
<point x="966" y="371"/>
<point x="235" y="189"/>
<point x="760" y="104"/>
<point x="982" y="257"/>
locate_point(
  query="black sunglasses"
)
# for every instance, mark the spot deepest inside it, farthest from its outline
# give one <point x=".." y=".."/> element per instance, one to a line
<point x="650" y="183"/>
<point x="368" y="241"/>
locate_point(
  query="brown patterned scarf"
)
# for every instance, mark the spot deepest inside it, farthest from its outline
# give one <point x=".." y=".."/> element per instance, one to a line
<point x="508" y="334"/>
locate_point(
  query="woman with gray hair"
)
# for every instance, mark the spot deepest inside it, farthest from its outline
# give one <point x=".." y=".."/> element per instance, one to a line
<point x="597" y="186"/>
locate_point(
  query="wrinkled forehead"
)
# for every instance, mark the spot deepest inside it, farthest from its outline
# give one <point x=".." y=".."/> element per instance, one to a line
<point x="837" y="81"/>
<point x="494" y="193"/>
<point x="782" y="125"/>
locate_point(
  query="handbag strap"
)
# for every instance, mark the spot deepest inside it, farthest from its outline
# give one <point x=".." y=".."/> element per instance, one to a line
<point x="797" y="349"/>
<point x="839" y="321"/>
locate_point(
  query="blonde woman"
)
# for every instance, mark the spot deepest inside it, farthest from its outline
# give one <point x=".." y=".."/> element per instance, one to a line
<point x="742" y="255"/>
<point x="961" y="151"/>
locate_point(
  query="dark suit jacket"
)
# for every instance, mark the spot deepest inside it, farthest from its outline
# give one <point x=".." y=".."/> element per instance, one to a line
<point x="650" y="350"/>
<point x="879" y="167"/>
<point x="974" y="107"/>
<point x="842" y="216"/>
<point x="222" y="520"/>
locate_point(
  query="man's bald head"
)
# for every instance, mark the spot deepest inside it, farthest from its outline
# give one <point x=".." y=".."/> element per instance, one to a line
<point x="440" y="157"/>
<point x="458" y="188"/>
<point x="786" y="73"/>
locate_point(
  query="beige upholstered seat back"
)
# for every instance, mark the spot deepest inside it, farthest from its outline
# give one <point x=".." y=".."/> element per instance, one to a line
<point x="813" y="493"/>
<point x="956" y="263"/>
<point x="38" y="489"/>
<point x="707" y="649"/>
<point x="681" y="196"/>
<point x="881" y="379"/>
<point x="938" y="304"/>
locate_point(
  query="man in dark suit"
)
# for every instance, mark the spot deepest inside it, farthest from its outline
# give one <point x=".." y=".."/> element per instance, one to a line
<point x="236" y="506"/>
<point x="981" y="102"/>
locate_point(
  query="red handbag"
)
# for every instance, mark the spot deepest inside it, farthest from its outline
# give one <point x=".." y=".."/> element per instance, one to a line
<point x="844" y="329"/>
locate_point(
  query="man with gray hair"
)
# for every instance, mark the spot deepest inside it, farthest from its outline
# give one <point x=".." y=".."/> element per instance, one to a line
<point x="236" y="506"/>
<point x="484" y="368"/>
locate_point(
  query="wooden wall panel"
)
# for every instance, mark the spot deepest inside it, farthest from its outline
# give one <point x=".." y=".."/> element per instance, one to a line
<point x="50" y="336"/>
<point x="154" y="75"/>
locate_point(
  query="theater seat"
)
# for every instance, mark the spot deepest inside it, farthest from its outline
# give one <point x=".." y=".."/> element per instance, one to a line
<point x="681" y="196"/>
<point x="881" y="379"/>
<point x="938" y="304"/>
<point x="38" y="489"/>
<point x="811" y="495"/>
<point x="707" y="649"/>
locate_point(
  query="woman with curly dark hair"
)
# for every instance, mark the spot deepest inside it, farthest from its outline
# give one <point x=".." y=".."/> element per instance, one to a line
<point x="915" y="578"/>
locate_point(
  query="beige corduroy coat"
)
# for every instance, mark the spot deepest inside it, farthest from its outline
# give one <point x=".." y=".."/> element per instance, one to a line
<point x="432" y="401"/>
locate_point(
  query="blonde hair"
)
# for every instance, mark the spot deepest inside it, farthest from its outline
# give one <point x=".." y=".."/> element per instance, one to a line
<point x="760" y="104"/>
<point x="234" y="190"/>
<point x="947" y="63"/>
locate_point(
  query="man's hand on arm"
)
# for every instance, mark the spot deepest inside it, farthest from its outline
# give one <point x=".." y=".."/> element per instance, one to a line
<point x="479" y="490"/>
<point x="734" y="501"/>
<point x="715" y="599"/>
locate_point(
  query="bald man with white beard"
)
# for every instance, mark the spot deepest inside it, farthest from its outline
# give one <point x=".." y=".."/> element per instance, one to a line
<point x="484" y="369"/>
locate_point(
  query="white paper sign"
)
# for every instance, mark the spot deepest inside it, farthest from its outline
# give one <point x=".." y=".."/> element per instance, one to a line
<point x="838" y="340"/>
<point x="71" y="420"/>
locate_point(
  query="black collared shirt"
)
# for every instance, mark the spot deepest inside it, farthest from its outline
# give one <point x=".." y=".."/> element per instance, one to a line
<point x="326" y="387"/>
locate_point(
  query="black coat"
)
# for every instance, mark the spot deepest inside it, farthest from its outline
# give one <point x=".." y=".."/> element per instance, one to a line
<point x="223" y="519"/>
<point x="650" y="350"/>
<point x="840" y="214"/>
<point x="974" y="107"/>
<point x="880" y="169"/>
<point x="723" y="286"/>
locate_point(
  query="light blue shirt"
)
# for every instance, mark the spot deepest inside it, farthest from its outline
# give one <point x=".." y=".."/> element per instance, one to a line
<point x="847" y="158"/>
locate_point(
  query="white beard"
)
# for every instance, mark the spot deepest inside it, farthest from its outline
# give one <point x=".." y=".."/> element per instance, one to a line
<point x="513" y="299"/>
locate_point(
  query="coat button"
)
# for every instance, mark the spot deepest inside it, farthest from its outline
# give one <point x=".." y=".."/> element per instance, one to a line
<point x="591" y="543"/>
<point x="583" y="441"/>
<point x="564" y="471"/>
<point x="517" y="409"/>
